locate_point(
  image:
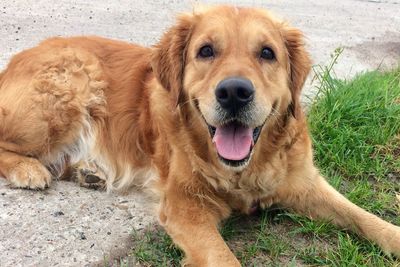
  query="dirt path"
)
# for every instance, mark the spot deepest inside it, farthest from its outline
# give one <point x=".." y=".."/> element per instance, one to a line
<point x="71" y="226"/>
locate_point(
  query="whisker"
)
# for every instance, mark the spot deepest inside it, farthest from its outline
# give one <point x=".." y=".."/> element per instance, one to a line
<point x="189" y="100"/>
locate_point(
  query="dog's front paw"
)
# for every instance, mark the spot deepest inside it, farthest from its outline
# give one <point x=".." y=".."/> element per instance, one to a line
<point x="390" y="240"/>
<point x="30" y="174"/>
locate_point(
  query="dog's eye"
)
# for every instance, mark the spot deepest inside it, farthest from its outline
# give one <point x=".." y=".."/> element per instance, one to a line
<point x="267" y="53"/>
<point x="206" y="52"/>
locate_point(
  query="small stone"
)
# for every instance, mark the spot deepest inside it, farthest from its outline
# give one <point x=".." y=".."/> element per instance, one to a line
<point x="58" y="213"/>
<point x="82" y="236"/>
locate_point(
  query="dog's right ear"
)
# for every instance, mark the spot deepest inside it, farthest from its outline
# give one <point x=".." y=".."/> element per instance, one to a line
<point x="169" y="57"/>
<point x="299" y="64"/>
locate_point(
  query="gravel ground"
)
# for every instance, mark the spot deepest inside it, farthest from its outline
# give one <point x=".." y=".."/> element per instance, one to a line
<point x="67" y="225"/>
<point x="72" y="226"/>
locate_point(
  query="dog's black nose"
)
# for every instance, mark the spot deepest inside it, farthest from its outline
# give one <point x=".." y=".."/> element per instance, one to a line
<point x="234" y="93"/>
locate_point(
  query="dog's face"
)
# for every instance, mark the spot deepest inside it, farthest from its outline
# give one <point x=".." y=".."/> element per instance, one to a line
<point x="237" y="68"/>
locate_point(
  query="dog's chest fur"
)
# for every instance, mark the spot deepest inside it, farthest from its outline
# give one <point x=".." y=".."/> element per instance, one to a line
<point x="242" y="191"/>
<point x="255" y="189"/>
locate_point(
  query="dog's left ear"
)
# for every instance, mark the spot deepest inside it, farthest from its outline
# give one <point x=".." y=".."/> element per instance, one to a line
<point x="169" y="56"/>
<point x="299" y="65"/>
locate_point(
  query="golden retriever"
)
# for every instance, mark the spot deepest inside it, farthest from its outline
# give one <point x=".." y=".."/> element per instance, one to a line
<point x="210" y="116"/>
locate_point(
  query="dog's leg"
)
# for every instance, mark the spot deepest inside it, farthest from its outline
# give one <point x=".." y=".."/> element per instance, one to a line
<point x="193" y="227"/>
<point x="24" y="172"/>
<point x="319" y="200"/>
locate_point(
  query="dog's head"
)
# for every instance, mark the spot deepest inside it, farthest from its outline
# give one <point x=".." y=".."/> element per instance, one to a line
<point x="236" y="68"/>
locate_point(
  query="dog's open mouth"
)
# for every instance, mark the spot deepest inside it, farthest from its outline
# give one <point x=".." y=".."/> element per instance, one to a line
<point x="234" y="141"/>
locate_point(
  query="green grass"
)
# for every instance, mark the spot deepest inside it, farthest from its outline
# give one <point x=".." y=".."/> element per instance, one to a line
<point x="355" y="127"/>
<point x="155" y="248"/>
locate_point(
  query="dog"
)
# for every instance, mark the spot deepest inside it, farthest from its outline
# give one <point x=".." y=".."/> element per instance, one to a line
<point x="210" y="117"/>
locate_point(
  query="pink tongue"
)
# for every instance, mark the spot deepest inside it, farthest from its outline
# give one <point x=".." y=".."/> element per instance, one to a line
<point x="233" y="142"/>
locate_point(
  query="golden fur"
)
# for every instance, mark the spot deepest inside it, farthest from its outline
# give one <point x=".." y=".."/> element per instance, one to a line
<point x="140" y="114"/>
